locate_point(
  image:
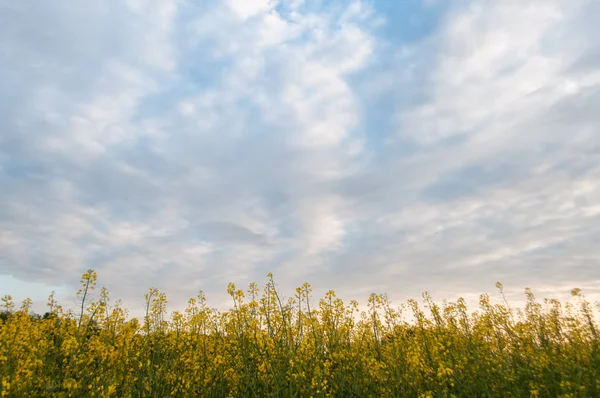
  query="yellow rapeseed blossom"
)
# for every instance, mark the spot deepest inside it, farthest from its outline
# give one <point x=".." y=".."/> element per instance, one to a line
<point x="266" y="345"/>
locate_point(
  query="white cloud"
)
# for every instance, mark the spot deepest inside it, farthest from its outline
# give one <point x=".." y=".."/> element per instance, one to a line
<point x="248" y="8"/>
<point x="183" y="145"/>
<point x="493" y="59"/>
<point x="322" y="225"/>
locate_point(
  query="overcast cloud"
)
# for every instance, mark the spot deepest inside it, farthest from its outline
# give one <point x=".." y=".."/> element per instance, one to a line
<point x="359" y="145"/>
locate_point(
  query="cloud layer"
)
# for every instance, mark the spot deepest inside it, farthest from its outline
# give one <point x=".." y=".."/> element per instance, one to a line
<point x="187" y="144"/>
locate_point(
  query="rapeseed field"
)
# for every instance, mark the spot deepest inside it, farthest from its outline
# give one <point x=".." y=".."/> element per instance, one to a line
<point x="265" y="346"/>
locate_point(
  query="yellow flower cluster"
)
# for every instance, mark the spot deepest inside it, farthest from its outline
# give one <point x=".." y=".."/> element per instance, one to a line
<point x="265" y="346"/>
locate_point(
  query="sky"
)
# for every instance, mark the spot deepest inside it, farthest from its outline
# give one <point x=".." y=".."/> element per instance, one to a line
<point x="390" y="146"/>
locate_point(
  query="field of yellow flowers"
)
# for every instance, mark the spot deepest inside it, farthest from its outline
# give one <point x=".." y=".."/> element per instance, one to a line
<point x="265" y="346"/>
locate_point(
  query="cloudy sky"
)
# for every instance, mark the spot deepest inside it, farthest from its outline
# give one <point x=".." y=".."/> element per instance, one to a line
<point x="363" y="146"/>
